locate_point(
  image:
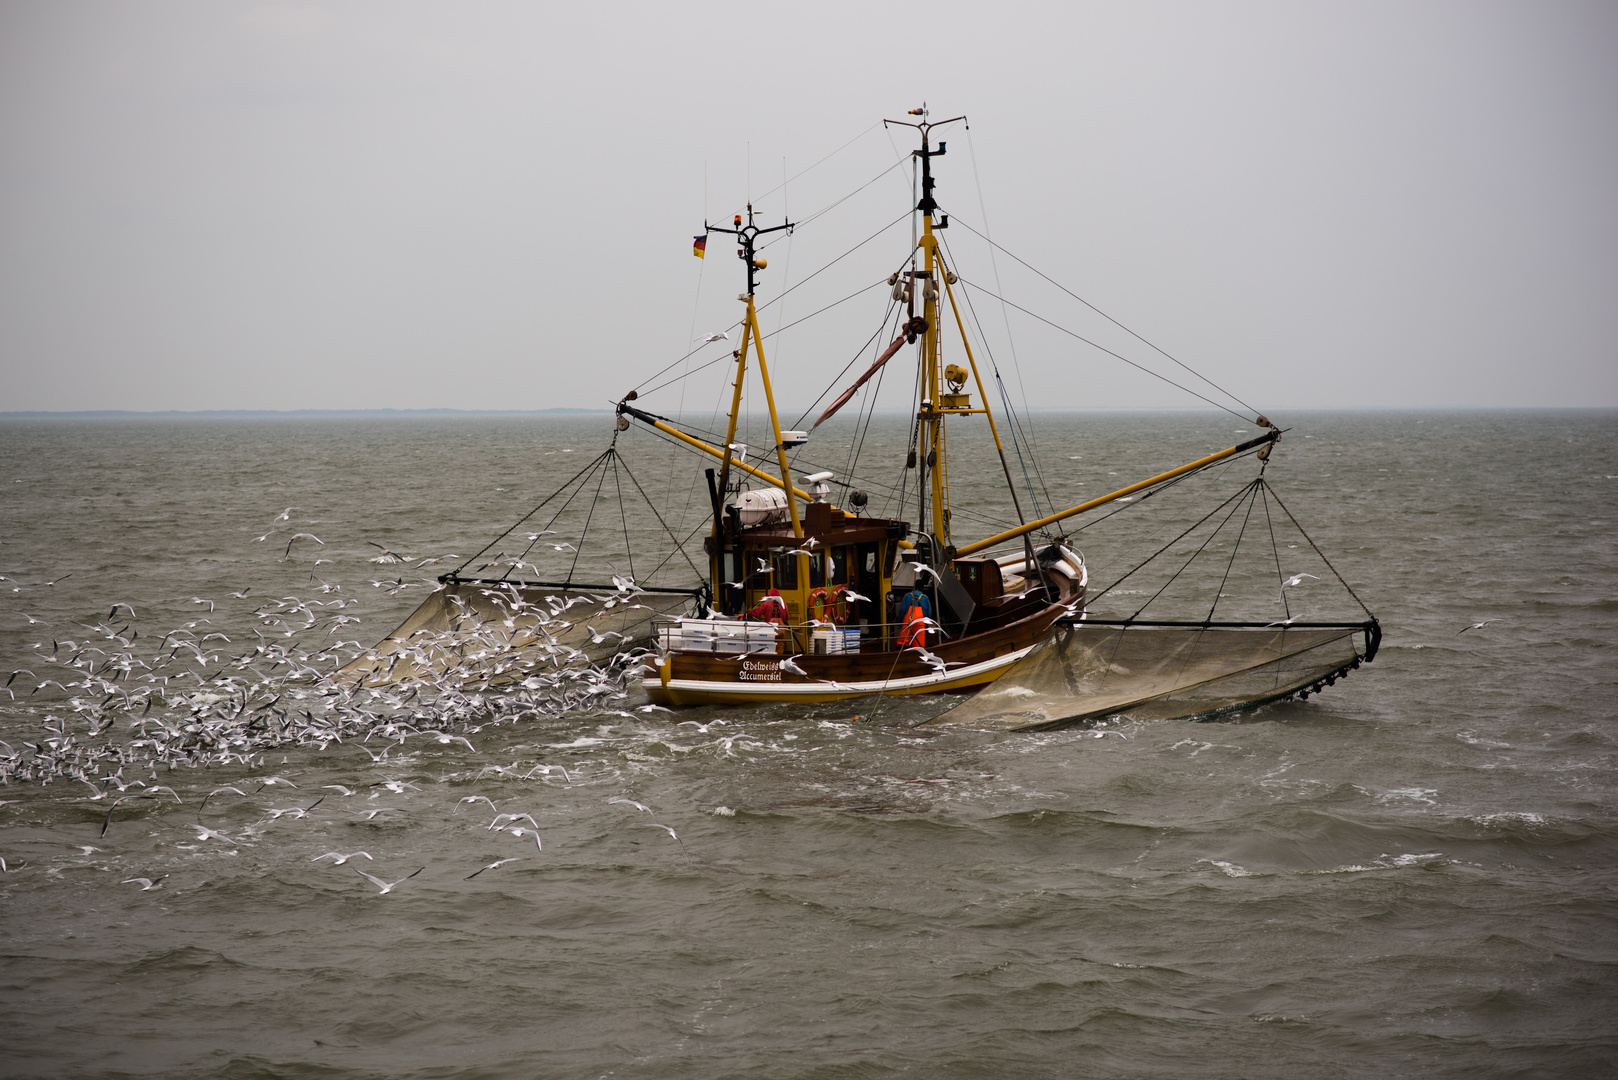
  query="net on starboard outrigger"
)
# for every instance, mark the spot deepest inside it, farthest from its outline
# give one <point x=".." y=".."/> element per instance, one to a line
<point x="1086" y="671"/>
<point x="1090" y="669"/>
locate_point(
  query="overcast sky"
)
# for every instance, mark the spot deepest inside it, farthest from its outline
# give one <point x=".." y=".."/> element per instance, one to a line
<point x="215" y="205"/>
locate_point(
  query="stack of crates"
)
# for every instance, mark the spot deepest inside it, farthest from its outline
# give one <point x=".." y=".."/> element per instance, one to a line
<point x="734" y="636"/>
<point x="830" y="642"/>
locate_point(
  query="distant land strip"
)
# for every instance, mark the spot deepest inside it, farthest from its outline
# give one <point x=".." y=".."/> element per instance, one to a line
<point x="133" y="414"/>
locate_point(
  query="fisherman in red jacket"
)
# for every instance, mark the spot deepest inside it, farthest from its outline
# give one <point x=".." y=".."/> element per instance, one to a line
<point x="771" y="609"/>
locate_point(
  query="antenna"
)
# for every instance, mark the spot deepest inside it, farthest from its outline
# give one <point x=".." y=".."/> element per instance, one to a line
<point x="746" y="235"/>
<point x="927" y="204"/>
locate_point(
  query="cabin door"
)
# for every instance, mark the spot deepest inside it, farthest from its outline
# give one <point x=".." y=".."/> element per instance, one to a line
<point x="867" y="578"/>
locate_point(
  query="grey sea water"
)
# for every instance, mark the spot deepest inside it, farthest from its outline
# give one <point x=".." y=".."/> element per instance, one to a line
<point x="1413" y="874"/>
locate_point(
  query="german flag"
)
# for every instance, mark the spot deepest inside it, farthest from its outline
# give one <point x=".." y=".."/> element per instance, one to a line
<point x="699" y="246"/>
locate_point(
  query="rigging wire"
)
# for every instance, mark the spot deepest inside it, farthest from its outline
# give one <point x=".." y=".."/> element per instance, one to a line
<point x="819" y="163"/>
<point x="1234" y="548"/>
<point x="588" y="514"/>
<point x="481" y="551"/>
<point x="838" y="378"/>
<point x="678" y="546"/>
<point x="1299" y="526"/>
<point x="826" y="210"/>
<point x="1246" y="490"/>
<point x="735" y="325"/>
<point x="867" y="411"/>
<point x="1018" y="434"/>
<point x="623" y="515"/>
<point x="1109" y="352"/>
<point x="1286" y="605"/>
<point x="994" y="265"/>
<point x="994" y="246"/>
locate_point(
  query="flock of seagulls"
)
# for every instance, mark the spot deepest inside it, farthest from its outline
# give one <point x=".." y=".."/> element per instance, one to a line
<point x="520" y="826"/>
<point x="123" y="703"/>
<point x="120" y="702"/>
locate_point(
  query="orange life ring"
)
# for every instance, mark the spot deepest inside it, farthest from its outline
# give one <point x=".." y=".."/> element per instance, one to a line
<point x="829" y="607"/>
<point x="844" y="608"/>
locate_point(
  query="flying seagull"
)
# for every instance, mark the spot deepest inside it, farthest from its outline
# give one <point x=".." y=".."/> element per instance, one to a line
<point x="385" y="886"/>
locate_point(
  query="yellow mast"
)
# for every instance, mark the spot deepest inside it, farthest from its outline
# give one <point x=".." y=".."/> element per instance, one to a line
<point x="775" y="421"/>
<point x="931" y="445"/>
<point x="735" y="411"/>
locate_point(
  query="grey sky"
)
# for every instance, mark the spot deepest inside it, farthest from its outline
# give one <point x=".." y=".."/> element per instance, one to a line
<point x="404" y="205"/>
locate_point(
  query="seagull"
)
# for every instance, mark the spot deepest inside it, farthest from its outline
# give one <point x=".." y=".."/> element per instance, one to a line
<point x="385" y="886"/>
<point x="341" y="790"/>
<point x="200" y="600"/>
<point x="205" y="833"/>
<point x="720" y="335"/>
<point x="598" y="636"/>
<point x="217" y="791"/>
<point x="296" y="811"/>
<point x="491" y="866"/>
<point x="630" y="802"/>
<point x="339" y="858"/>
<point x="302" y="536"/>
<point x="146" y="884"/>
<point x="519" y="831"/>
<point x="653" y="708"/>
<point x="665" y="828"/>
<point x="369" y="814"/>
<point x="1476" y="625"/>
<point x="852" y="596"/>
<point x="788" y="665"/>
<point x="499" y="819"/>
<point x="273" y="780"/>
<point x="114" y="806"/>
<point x="285" y="515"/>
<point x="127" y="608"/>
<point x="445" y="740"/>
<point x="1295" y="579"/>
<point x="476" y="798"/>
<point x="386" y="556"/>
<point x="243" y="593"/>
<point x="564" y="547"/>
<point x="933" y="660"/>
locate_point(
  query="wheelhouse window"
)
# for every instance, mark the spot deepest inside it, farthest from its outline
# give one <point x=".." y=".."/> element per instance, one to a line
<point x="786" y="570"/>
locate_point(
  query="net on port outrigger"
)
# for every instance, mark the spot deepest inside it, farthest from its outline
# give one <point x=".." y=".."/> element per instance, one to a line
<point x="496" y="619"/>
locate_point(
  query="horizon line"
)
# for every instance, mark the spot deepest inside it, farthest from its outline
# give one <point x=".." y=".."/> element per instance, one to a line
<point x="29" y="414"/>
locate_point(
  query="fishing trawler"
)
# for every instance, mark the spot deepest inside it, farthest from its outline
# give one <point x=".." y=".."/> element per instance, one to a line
<point x="806" y="598"/>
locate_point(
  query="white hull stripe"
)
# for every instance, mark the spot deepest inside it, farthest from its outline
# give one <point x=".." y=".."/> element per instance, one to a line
<point x="831" y="687"/>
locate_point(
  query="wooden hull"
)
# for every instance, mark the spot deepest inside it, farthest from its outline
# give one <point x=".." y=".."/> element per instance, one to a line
<point x="686" y="678"/>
